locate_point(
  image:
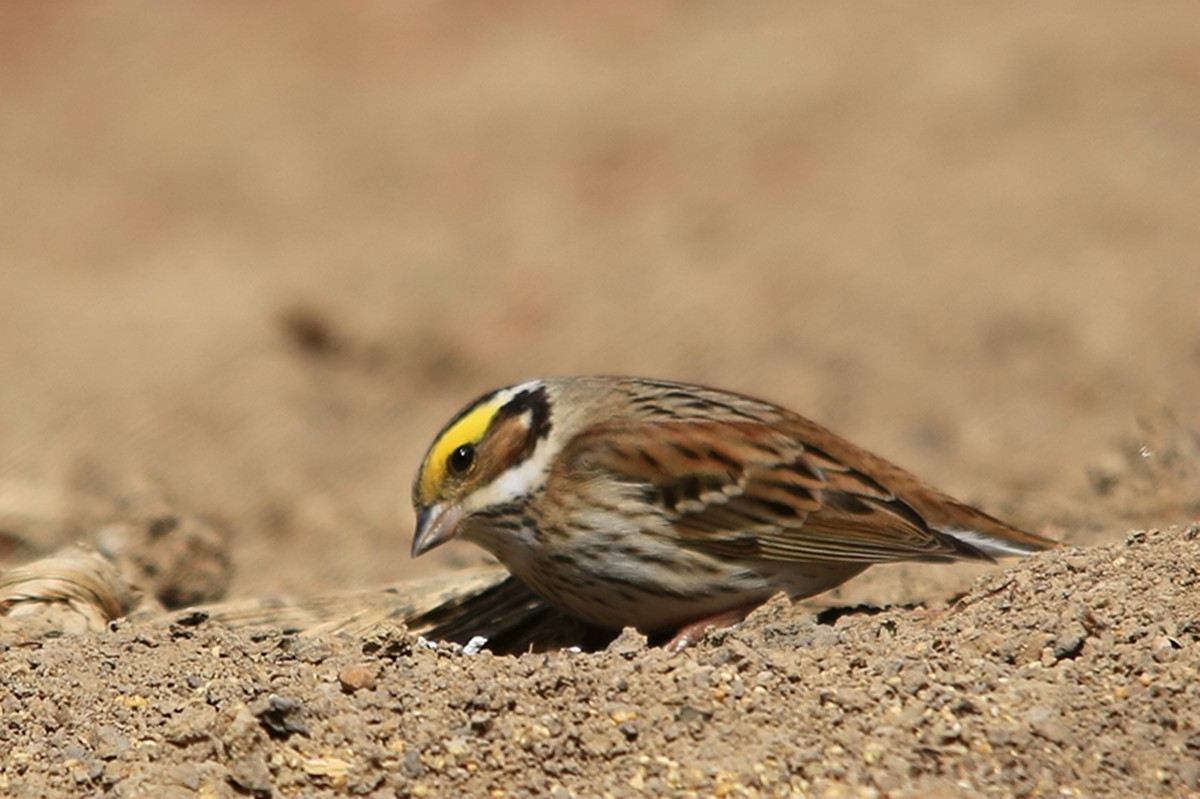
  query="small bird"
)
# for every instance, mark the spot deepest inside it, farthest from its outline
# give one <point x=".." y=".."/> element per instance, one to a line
<point x="668" y="507"/>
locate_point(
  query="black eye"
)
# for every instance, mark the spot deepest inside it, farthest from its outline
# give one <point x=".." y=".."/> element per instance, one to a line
<point x="461" y="460"/>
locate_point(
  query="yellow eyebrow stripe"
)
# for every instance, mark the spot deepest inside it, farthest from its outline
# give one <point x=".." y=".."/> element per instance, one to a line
<point x="467" y="430"/>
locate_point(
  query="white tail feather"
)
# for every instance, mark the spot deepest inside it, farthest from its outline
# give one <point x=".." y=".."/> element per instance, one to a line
<point x="990" y="544"/>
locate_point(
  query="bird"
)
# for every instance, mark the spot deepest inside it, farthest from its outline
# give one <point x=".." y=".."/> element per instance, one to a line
<point x="670" y="507"/>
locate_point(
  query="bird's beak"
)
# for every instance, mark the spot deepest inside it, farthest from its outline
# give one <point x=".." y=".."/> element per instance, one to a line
<point x="436" y="524"/>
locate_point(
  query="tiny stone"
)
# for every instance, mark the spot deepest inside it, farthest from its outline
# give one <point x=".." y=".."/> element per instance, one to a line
<point x="475" y="645"/>
<point x="280" y="715"/>
<point x="413" y="766"/>
<point x="1048" y="725"/>
<point x="628" y="644"/>
<point x="107" y="743"/>
<point x="358" y="676"/>
<point x="1069" y="642"/>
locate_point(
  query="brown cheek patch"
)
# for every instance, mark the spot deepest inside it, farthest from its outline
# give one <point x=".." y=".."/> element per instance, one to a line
<point x="507" y="444"/>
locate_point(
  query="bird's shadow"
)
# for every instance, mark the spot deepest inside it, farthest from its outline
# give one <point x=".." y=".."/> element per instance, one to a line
<point x="513" y="620"/>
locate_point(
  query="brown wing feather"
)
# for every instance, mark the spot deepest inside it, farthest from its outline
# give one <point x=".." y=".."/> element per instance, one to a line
<point x="743" y="488"/>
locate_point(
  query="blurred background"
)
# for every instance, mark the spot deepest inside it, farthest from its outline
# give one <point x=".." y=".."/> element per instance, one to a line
<point x="258" y="254"/>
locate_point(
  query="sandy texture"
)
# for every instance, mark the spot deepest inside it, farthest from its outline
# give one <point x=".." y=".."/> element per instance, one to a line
<point x="1075" y="674"/>
<point x="251" y="260"/>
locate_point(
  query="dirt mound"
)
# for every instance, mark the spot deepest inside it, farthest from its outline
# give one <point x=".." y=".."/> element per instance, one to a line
<point x="1073" y="673"/>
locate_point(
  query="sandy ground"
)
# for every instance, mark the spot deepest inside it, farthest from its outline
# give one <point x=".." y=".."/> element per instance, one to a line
<point x="257" y="256"/>
<point x="1075" y="675"/>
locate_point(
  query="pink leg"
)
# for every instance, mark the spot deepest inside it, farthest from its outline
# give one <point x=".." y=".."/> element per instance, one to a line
<point x="693" y="632"/>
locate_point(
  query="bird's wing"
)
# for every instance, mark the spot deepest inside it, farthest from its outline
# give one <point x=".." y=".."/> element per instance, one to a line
<point x="742" y="488"/>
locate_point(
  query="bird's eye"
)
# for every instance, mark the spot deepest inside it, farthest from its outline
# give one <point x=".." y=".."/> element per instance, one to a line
<point x="461" y="460"/>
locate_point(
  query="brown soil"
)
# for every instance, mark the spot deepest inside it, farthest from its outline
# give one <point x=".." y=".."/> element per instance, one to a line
<point x="257" y="257"/>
